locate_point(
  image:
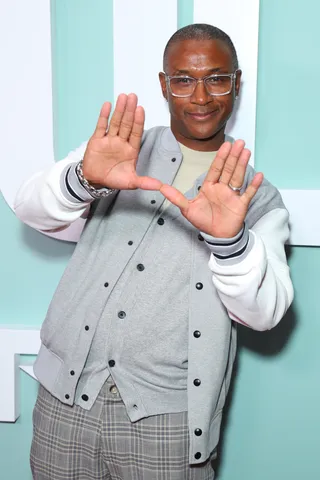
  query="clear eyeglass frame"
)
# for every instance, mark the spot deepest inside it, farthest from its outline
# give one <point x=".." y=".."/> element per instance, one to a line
<point x="232" y="76"/>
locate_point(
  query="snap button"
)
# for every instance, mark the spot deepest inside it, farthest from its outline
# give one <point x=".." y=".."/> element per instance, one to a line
<point x="113" y="390"/>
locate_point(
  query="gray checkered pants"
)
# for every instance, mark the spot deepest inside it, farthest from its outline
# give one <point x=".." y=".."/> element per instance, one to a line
<point x="70" y="443"/>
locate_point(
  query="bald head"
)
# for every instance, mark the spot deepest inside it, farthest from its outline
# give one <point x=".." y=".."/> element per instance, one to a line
<point x="200" y="31"/>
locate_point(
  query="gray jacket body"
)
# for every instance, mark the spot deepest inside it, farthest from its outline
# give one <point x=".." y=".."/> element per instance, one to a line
<point x="115" y="230"/>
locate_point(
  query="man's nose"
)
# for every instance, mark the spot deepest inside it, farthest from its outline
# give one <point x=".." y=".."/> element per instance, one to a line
<point x="200" y="95"/>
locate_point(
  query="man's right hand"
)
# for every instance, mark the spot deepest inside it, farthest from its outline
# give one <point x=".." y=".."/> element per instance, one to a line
<point x="112" y="151"/>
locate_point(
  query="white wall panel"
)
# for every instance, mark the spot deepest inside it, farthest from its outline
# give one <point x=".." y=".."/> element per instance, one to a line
<point x="303" y="206"/>
<point x="14" y="341"/>
<point x="141" y="31"/>
<point x="240" y="20"/>
<point x="25" y="92"/>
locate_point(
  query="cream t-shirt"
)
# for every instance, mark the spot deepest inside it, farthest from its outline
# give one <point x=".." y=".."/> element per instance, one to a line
<point x="193" y="164"/>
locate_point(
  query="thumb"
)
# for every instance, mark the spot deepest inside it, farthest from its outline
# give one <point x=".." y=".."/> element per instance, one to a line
<point x="175" y="197"/>
<point x="252" y="189"/>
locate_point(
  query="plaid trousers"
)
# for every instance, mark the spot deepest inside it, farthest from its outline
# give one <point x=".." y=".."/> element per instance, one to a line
<point x="70" y="443"/>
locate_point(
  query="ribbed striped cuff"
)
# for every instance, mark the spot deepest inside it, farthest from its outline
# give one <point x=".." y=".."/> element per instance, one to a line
<point x="71" y="187"/>
<point x="229" y="251"/>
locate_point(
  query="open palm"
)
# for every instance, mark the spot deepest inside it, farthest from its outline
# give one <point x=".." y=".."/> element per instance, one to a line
<point x="217" y="209"/>
<point x="112" y="151"/>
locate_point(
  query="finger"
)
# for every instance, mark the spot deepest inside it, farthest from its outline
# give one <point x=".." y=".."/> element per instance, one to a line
<point x="237" y="178"/>
<point x="148" y="183"/>
<point x="102" y="123"/>
<point x="128" y="116"/>
<point x="252" y="189"/>
<point x="231" y="161"/>
<point x="117" y="115"/>
<point x="137" y="128"/>
<point x="175" y="197"/>
<point x="217" y="165"/>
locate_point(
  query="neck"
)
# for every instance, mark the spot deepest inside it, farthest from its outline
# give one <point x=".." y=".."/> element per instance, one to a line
<point x="211" y="144"/>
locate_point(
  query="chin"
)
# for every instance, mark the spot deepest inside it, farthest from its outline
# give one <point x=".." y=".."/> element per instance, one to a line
<point x="203" y="135"/>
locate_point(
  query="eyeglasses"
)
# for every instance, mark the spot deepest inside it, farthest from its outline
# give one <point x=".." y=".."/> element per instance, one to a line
<point x="216" y="85"/>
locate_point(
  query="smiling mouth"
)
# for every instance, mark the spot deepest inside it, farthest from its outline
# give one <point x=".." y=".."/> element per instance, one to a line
<point x="202" y="116"/>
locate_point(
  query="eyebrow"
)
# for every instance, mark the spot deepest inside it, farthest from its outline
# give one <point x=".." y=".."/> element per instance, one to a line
<point x="187" y="72"/>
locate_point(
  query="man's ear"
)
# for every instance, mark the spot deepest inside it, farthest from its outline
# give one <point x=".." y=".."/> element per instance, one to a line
<point x="163" y="84"/>
<point x="238" y="82"/>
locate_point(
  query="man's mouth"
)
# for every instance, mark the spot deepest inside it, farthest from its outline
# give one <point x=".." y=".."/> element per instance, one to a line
<point x="202" y="116"/>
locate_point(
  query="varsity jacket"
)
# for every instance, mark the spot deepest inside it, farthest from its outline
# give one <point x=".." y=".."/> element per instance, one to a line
<point x="245" y="279"/>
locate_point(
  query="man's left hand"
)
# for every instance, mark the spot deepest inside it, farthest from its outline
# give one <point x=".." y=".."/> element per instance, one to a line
<point x="218" y="210"/>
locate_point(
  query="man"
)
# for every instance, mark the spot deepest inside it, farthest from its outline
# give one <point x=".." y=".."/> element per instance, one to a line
<point x="139" y="340"/>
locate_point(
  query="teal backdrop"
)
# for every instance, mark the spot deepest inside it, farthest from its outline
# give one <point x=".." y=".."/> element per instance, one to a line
<point x="272" y="423"/>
